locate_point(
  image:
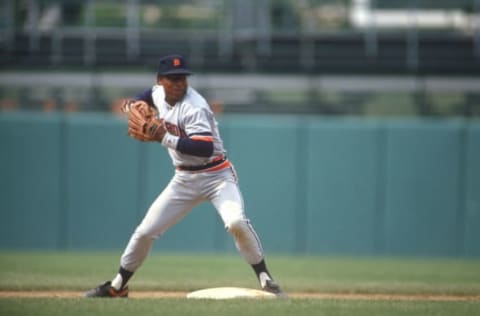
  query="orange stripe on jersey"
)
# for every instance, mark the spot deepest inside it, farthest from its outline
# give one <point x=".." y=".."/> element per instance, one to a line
<point x="221" y="166"/>
<point x="202" y="138"/>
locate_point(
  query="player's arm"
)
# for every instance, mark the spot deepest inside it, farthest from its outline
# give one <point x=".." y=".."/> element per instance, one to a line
<point x="199" y="141"/>
<point x="199" y="144"/>
<point x="145" y="96"/>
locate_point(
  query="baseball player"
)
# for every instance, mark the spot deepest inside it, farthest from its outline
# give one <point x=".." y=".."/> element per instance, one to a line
<point x="177" y="116"/>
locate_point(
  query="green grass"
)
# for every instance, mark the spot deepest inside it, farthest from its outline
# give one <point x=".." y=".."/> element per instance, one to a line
<point x="77" y="271"/>
<point x="297" y="307"/>
<point x="177" y="272"/>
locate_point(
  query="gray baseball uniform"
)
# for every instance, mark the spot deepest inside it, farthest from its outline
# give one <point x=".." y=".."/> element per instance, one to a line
<point x="202" y="173"/>
<point x="194" y="182"/>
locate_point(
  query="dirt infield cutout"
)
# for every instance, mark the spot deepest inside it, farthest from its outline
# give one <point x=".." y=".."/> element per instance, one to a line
<point x="326" y="296"/>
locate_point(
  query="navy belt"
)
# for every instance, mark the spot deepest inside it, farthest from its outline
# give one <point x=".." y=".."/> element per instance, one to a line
<point x="209" y="165"/>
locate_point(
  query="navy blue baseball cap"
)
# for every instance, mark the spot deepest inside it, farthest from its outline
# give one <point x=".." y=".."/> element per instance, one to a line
<point x="173" y="65"/>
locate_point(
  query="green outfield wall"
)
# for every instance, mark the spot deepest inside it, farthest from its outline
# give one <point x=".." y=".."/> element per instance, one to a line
<point x="330" y="186"/>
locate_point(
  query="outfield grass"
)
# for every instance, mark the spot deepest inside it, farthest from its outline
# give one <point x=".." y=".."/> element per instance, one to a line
<point x="176" y="272"/>
<point x="297" y="307"/>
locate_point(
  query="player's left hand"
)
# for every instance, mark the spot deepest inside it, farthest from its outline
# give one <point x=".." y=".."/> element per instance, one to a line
<point x="143" y="123"/>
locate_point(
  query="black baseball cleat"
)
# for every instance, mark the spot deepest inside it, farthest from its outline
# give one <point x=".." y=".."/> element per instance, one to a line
<point x="106" y="290"/>
<point x="272" y="287"/>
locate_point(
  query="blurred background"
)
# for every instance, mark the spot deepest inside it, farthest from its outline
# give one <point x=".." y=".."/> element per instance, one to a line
<point x="362" y="113"/>
<point x="341" y="57"/>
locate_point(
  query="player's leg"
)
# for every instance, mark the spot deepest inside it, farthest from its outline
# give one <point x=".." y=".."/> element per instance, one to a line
<point x="169" y="207"/>
<point x="228" y="201"/>
<point x="165" y="212"/>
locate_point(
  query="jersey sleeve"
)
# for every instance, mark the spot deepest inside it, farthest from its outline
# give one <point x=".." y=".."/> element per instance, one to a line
<point x="197" y="124"/>
<point x="198" y="140"/>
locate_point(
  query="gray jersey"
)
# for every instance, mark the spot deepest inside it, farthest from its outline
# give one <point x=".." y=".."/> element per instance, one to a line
<point x="190" y="117"/>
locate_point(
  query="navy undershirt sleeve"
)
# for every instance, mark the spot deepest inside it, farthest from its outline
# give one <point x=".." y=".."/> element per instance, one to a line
<point x="193" y="147"/>
<point x="146" y="96"/>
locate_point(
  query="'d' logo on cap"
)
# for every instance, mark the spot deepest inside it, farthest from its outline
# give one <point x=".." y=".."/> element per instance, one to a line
<point x="176" y="62"/>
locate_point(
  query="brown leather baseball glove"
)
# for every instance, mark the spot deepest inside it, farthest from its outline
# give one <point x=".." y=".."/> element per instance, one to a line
<point x="143" y="123"/>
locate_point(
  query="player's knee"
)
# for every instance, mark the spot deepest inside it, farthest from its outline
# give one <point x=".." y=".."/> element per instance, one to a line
<point x="145" y="233"/>
<point x="237" y="226"/>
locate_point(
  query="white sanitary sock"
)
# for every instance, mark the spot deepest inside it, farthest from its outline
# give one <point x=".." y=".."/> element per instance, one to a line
<point x="117" y="282"/>
<point x="263" y="278"/>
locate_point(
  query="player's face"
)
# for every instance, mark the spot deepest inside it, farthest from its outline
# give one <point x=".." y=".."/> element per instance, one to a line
<point x="175" y="87"/>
